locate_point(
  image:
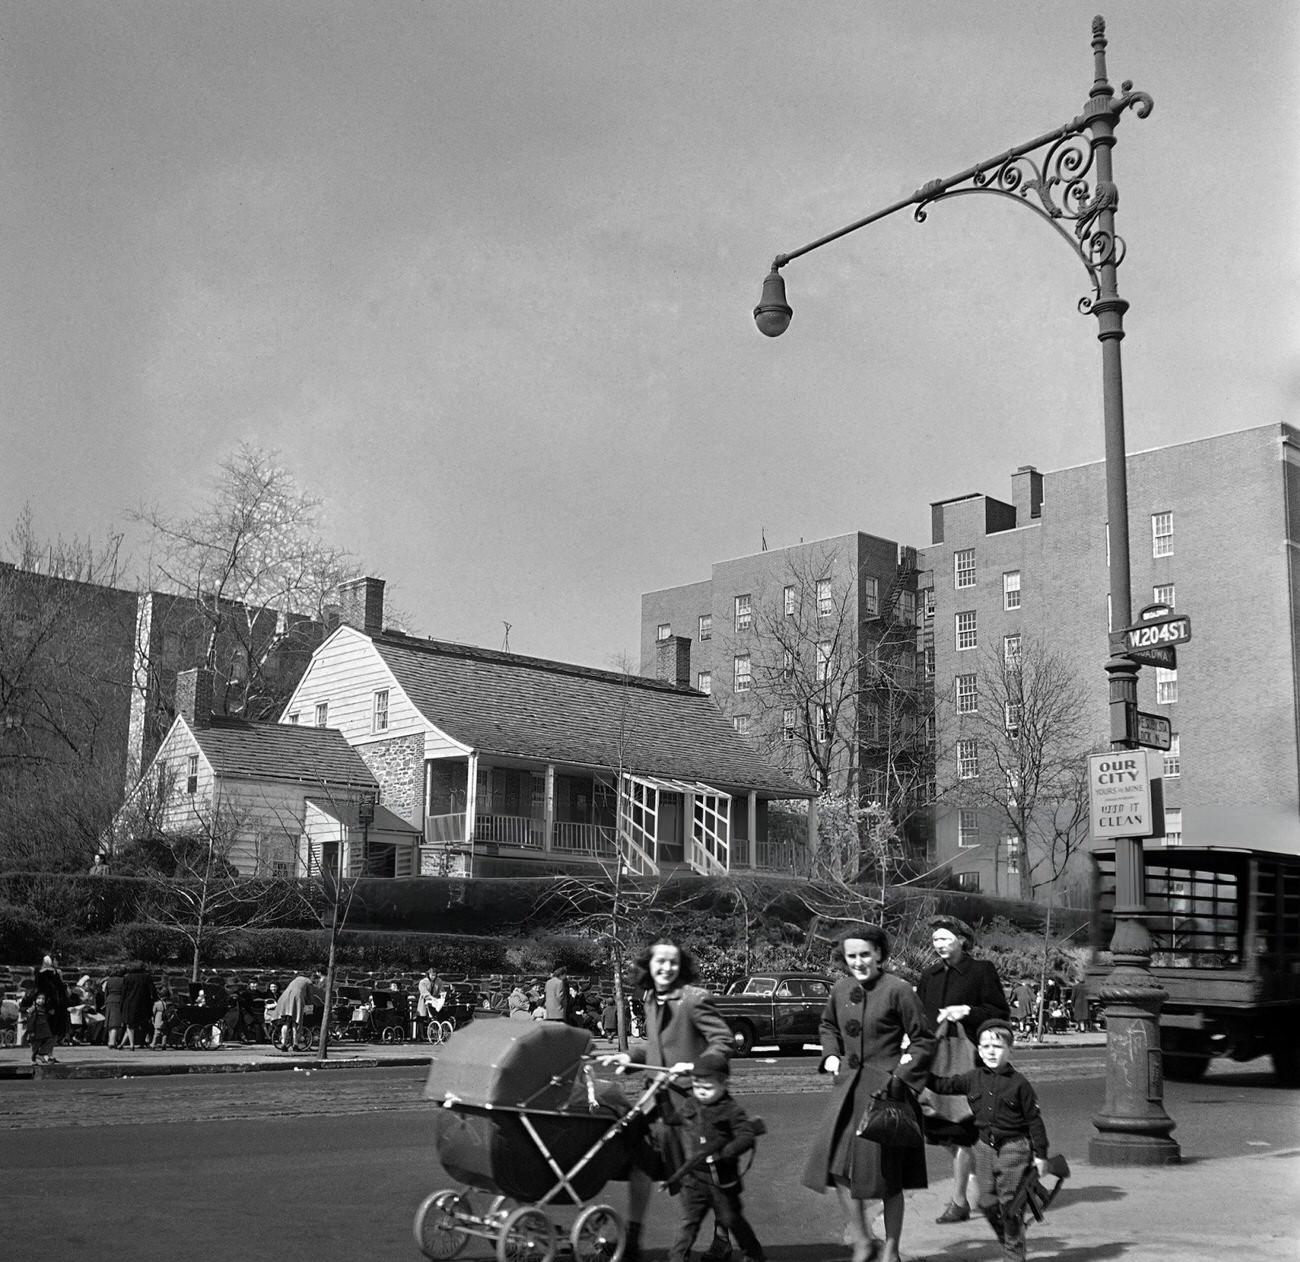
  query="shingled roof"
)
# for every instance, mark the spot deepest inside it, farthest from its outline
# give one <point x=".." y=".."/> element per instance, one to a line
<point x="506" y="705"/>
<point x="282" y="751"/>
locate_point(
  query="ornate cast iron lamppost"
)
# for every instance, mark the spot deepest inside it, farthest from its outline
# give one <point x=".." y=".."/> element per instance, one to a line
<point x="1070" y="181"/>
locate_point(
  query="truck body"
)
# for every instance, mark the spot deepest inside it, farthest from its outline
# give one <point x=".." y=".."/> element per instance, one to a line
<point x="1225" y="945"/>
<point x="780" y="1009"/>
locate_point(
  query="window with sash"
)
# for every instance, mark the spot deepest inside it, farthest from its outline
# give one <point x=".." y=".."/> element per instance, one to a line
<point x="963" y="568"/>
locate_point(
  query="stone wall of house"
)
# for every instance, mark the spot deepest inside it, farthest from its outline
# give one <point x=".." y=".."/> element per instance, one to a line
<point x="398" y="765"/>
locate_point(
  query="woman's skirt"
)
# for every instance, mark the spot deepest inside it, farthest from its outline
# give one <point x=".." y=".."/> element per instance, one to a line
<point x="871" y="1171"/>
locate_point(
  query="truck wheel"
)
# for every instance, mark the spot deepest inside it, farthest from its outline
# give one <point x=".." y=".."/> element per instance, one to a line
<point x="742" y="1038"/>
<point x="1286" y="1063"/>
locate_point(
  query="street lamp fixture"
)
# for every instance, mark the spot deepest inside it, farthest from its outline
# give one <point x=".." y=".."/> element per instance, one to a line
<point x="1065" y="177"/>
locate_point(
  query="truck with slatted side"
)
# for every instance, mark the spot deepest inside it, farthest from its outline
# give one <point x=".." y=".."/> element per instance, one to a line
<point x="1225" y="945"/>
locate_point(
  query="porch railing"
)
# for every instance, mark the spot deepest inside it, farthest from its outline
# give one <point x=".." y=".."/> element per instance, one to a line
<point x="592" y="841"/>
<point x="510" y="830"/>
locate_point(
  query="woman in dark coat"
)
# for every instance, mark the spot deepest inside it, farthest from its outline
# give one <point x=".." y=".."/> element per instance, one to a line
<point x="138" y="995"/>
<point x="862" y="1030"/>
<point x="961" y="989"/>
<point x="114" y="986"/>
<point x="49" y="982"/>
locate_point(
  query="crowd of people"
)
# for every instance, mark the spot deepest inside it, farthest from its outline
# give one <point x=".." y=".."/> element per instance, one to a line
<point x="880" y="1036"/>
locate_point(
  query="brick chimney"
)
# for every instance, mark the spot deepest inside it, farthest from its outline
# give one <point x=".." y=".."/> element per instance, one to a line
<point x="194" y="691"/>
<point x="361" y="605"/>
<point x="1027" y="494"/>
<point x="673" y="660"/>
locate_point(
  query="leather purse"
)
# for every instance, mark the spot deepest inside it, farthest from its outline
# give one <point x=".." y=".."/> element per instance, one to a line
<point x="890" y="1123"/>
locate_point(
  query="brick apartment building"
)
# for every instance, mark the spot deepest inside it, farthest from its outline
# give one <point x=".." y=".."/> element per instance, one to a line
<point x="1214" y="526"/>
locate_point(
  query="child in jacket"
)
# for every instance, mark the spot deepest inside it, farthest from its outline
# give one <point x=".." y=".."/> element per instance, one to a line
<point x="1010" y="1129"/>
<point x="715" y="1132"/>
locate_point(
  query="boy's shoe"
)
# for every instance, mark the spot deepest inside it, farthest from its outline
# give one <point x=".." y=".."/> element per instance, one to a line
<point x="719" y="1251"/>
<point x="954" y="1213"/>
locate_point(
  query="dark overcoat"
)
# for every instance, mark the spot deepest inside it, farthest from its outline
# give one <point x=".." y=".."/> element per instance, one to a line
<point x="863" y="1024"/>
<point x="966" y="981"/>
<point x="684" y="1025"/>
<point x="138" y="994"/>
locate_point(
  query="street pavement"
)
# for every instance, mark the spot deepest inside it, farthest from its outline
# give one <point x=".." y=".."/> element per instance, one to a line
<point x="1240" y="1206"/>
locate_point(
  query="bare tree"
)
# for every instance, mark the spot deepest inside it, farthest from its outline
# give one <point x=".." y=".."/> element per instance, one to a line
<point x="835" y="681"/>
<point x="1019" y="750"/>
<point x="193" y="884"/>
<point x="65" y="691"/>
<point x="255" y="568"/>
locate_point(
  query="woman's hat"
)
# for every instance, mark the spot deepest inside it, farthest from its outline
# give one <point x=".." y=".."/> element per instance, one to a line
<point x="953" y="925"/>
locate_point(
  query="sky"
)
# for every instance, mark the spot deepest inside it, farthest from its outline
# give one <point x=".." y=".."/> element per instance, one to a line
<point x="483" y="273"/>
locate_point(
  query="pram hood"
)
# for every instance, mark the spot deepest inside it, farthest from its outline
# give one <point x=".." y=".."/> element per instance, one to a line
<point x="500" y="1062"/>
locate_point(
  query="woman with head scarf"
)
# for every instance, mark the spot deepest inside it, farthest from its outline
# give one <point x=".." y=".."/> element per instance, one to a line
<point x="961" y="989"/>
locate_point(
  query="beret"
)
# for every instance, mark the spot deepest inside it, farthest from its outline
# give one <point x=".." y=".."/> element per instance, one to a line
<point x="996" y="1023"/>
<point x="710" y="1064"/>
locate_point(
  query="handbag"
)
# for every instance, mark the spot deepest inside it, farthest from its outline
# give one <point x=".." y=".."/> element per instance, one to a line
<point x="890" y="1123"/>
<point x="953" y="1054"/>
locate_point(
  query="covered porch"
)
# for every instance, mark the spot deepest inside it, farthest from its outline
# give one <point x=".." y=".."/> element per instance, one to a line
<point x="651" y="824"/>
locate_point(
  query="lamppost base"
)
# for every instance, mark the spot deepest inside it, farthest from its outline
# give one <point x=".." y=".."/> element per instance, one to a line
<point x="1133" y="1150"/>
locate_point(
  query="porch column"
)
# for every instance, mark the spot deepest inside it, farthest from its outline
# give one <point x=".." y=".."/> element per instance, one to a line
<point x="548" y="830"/>
<point x="691" y="844"/>
<point x="471" y="799"/>
<point x="812" y="829"/>
<point x="753" y="828"/>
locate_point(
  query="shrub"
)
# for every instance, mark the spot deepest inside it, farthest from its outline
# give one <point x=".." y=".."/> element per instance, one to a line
<point x="23" y="934"/>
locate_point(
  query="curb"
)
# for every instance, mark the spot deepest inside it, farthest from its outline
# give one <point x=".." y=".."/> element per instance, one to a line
<point x="125" y="1069"/>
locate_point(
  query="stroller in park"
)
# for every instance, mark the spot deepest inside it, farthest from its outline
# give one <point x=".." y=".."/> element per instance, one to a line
<point x="525" y="1121"/>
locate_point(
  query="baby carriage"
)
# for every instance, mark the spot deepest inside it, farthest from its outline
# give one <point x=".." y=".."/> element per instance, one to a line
<point x="525" y="1120"/>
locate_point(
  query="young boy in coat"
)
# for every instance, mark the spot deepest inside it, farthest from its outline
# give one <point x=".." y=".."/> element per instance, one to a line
<point x="39" y="1033"/>
<point x="715" y="1132"/>
<point x="1009" y="1126"/>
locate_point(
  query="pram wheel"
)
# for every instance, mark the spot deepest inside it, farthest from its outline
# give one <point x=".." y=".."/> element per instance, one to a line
<point x="438" y="1233"/>
<point x="199" y="1036"/>
<point x="526" y="1236"/>
<point x="598" y="1235"/>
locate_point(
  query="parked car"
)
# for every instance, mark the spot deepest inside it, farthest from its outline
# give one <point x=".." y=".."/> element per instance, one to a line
<point x="774" y="1009"/>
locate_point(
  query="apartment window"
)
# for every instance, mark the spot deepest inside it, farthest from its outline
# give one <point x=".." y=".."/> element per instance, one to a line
<point x="966" y="636"/>
<point x="1163" y="594"/>
<point x="1013" y="787"/>
<point x="1173" y="767"/>
<point x="741" y="724"/>
<point x="968" y="828"/>
<point x="871" y="721"/>
<point x="1162" y="534"/>
<point x="927" y="603"/>
<point x="967" y="694"/>
<point x="787" y="725"/>
<point x="1011" y="716"/>
<point x="823" y="661"/>
<point x="1011" y="650"/>
<point x="963" y="568"/>
<point x="906" y="607"/>
<point x="704" y="681"/>
<point x="870" y="595"/>
<point x="823" y="723"/>
<point x="293" y="718"/>
<point x="322" y="714"/>
<point x="789" y="602"/>
<point x="968" y="760"/>
<point x="380" y="711"/>
<point x="192" y="775"/>
<point x="706" y="626"/>
<point x="1166" y="686"/>
<point x="929" y="660"/>
<point x="744" y="613"/>
<point x="931" y="732"/>
<point x="743" y="678"/>
<point x="825" y="606"/>
<point x="968" y="881"/>
<point x="664" y="631"/>
<point x="1011" y="589"/>
<point x="1174" y="825"/>
<point x="787" y="664"/>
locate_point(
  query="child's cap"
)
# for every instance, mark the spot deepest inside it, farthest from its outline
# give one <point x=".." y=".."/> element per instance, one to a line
<point x="710" y="1067"/>
<point x="1001" y="1026"/>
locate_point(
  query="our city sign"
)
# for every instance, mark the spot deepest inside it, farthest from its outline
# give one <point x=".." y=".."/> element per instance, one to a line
<point x="1121" y="803"/>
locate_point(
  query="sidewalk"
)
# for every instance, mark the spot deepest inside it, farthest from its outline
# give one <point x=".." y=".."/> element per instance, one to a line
<point x="88" y="1061"/>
